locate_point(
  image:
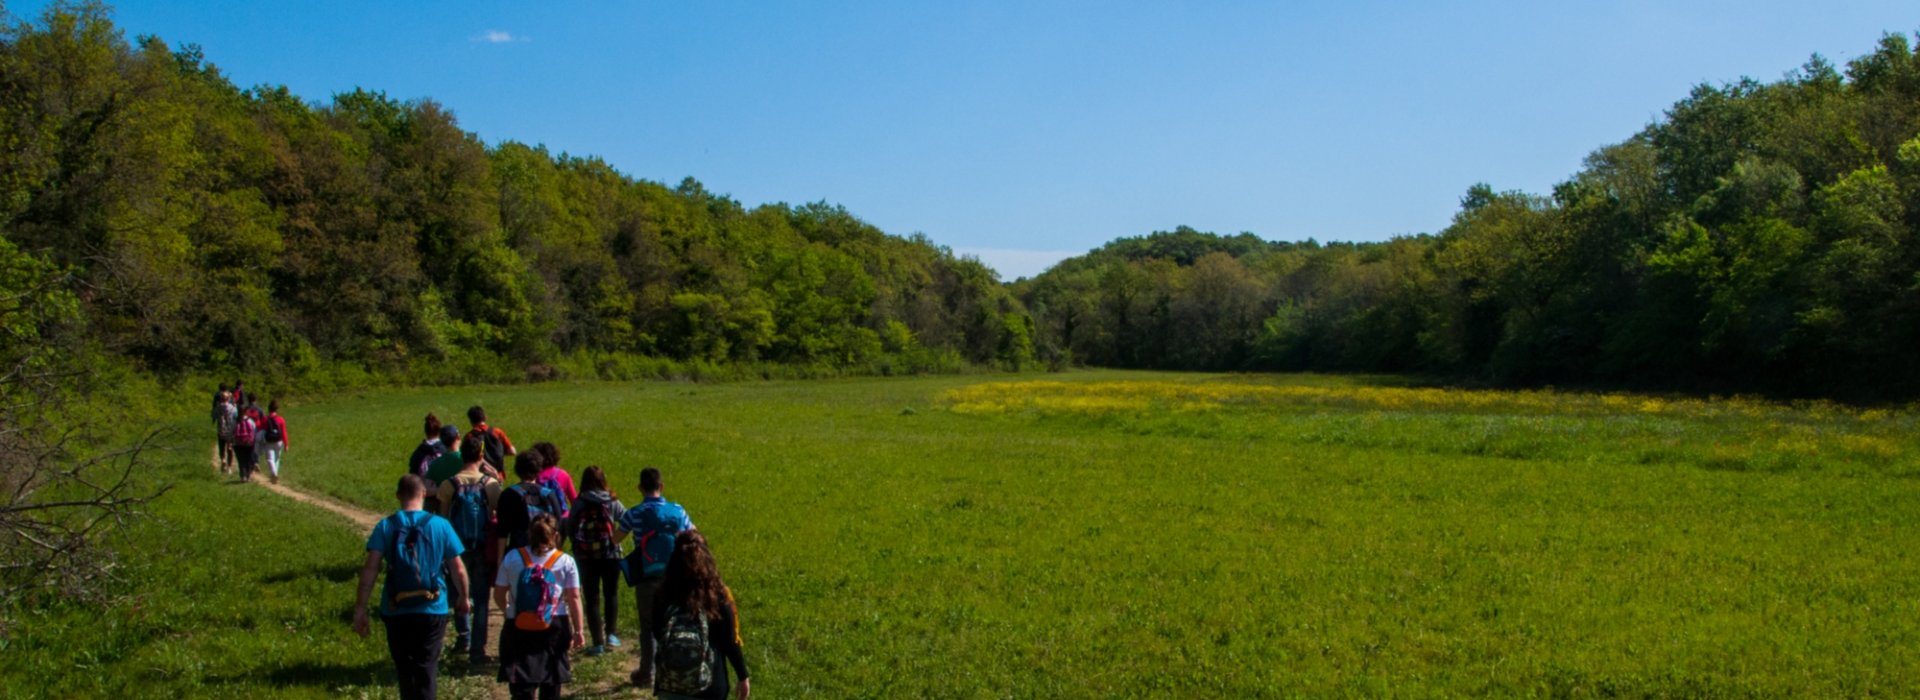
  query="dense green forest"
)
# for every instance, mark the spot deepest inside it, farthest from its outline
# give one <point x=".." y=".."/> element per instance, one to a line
<point x="1759" y="236"/>
<point x="208" y="228"/>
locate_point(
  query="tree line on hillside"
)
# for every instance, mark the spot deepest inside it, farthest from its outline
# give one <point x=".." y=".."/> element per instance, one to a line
<point x="209" y="228"/>
<point x="1759" y="236"/>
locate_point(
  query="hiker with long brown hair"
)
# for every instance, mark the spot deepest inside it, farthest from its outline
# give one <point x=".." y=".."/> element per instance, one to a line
<point x="695" y="627"/>
<point x="596" y="545"/>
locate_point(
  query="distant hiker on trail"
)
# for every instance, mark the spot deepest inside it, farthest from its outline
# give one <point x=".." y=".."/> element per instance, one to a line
<point x="556" y="478"/>
<point x="246" y="436"/>
<point x="524" y="501"/>
<point x="654" y="524"/>
<point x="696" y="625"/>
<point x="468" y="499"/>
<point x="596" y="544"/>
<point x="498" y="447"/>
<point x="539" y="588"/>
<point x="273" y="439"/>
<point x="225" y="416"/>
<point x="457" y="455"/>
<point x="428" y="449"/>
<point x="424" y="575"/>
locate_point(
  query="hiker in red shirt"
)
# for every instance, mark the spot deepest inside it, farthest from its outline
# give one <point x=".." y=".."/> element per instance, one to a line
<point x="495" y="447"/>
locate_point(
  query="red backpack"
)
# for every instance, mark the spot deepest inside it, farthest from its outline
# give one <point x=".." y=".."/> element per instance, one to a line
<point x="244" y="431"/>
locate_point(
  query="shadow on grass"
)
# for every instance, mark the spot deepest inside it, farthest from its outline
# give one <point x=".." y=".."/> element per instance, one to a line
<point x="313" y="675"/>
<point x="335" y="573"/>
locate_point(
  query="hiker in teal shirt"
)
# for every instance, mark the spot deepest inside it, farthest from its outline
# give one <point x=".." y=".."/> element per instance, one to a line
<point x="424" y="575"/>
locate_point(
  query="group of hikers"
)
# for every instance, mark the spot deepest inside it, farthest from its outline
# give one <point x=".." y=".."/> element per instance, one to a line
<point x="244" y="434"/>
<point x="461" y="533"/>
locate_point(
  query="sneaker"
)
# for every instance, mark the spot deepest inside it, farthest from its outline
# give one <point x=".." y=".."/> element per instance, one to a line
<point x="459" y="646"/>
<point x="276" y="481"/>
<point x="613" y="641"/>
<point x="596" y="650"/>
<point x="641" y="679"/>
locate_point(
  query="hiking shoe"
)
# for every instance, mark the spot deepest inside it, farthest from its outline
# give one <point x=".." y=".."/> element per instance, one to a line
<point x="613" y="641"/>
<point x="596" y="650"/>
<point x="641" y="678"/>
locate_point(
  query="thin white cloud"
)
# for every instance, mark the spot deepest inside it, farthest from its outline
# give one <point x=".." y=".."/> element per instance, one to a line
<point x="495" y="36"/>
<point x="1013" y="263"/>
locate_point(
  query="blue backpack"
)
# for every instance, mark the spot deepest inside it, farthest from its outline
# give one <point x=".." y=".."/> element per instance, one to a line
<point x="413" y="570"/>
<point x="469" y="512"/>
<point x="659" y="522"/>
<point x="540" y="500"/>
<point x="536" y="594"/>
<point x="553" y="485"/>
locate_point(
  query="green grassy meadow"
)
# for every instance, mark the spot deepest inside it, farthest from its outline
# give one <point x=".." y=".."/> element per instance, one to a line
<point x="1118" y="534"/>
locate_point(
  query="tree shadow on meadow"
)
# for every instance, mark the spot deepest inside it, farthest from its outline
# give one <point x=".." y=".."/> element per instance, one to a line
<point x="313" y="675"/>
<point x="332" y="573"/>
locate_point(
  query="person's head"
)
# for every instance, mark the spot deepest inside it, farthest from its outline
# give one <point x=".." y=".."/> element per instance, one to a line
<point x="449" y="435"/>
<point x="471" y="451"/>
<point x="650" y="481"/>
<point x="593" y="479"/>
<point x="527" y="465"/>
<point x="411" y="491"/>
<point x="549" y="455"/>
<point x="543" y="533"/>
<point x="692" y="577"/>
<point x="476" y="416"/>
<point x="226" y="396"/>
<point x="433" y="426"/>
<point x="273" y="405"/>
<point x="223" y="388"/>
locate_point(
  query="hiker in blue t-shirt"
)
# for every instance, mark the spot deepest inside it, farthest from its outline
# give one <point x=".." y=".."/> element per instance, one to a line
<point x="654" y="524"/>
<point x="424" y="575"/>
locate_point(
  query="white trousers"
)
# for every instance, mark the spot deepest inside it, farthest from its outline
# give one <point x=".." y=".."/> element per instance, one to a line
<point x="271" y="451"/>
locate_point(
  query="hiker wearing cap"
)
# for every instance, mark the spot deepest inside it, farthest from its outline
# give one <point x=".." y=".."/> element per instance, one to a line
<point x="424" y="579"/>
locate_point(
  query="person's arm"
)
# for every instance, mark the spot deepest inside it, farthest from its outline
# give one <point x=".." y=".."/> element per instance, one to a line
<point x="505" y="442"/>
<point x="446" y="499"/>
<point x="500" y="579"/>
<point x="285" y="442"/>
<point x="577" y="615"/>
<point x="368" y="573"/>
<point x="457" y="569"/>
<point x="728" y="644"/>
<point x="619" y="521"/>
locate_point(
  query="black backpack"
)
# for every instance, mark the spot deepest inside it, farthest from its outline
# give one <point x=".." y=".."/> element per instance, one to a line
<point x="270" y="430"/>
<point x="493" y="450"/>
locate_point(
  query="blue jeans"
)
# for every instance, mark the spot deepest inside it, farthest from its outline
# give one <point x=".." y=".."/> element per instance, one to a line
<point x="480" y="591"/>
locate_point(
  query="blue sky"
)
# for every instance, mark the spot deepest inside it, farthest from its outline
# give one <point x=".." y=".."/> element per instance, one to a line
<point x="1026" y="131"/>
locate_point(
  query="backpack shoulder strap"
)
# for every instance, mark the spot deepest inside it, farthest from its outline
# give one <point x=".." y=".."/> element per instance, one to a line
<point x="526" y="558"/>
<point x="551" y="558"/>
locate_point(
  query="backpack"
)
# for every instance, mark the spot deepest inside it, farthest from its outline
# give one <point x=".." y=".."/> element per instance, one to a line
<point x="270" y="432"/>
<point x="413" y="566"/>
<point x="660" y="522"/>
<point x="494" y="451"/>
<point x="685" y="659"/>
<point x="593" y="530"/>
<point x="536" y="596"/>
<point x="225" y="419"/>
<point x="470" y="515"/>
<point x="552" y="484"/>
<point x="243" y="431"/>
<point x="542" y="500"/>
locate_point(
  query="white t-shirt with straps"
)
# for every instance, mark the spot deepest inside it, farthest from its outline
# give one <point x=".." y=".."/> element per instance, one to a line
<point x="564" y="572"/>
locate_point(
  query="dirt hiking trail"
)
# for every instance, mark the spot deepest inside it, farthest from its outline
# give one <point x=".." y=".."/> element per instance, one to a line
<point x="604" y="677"/>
